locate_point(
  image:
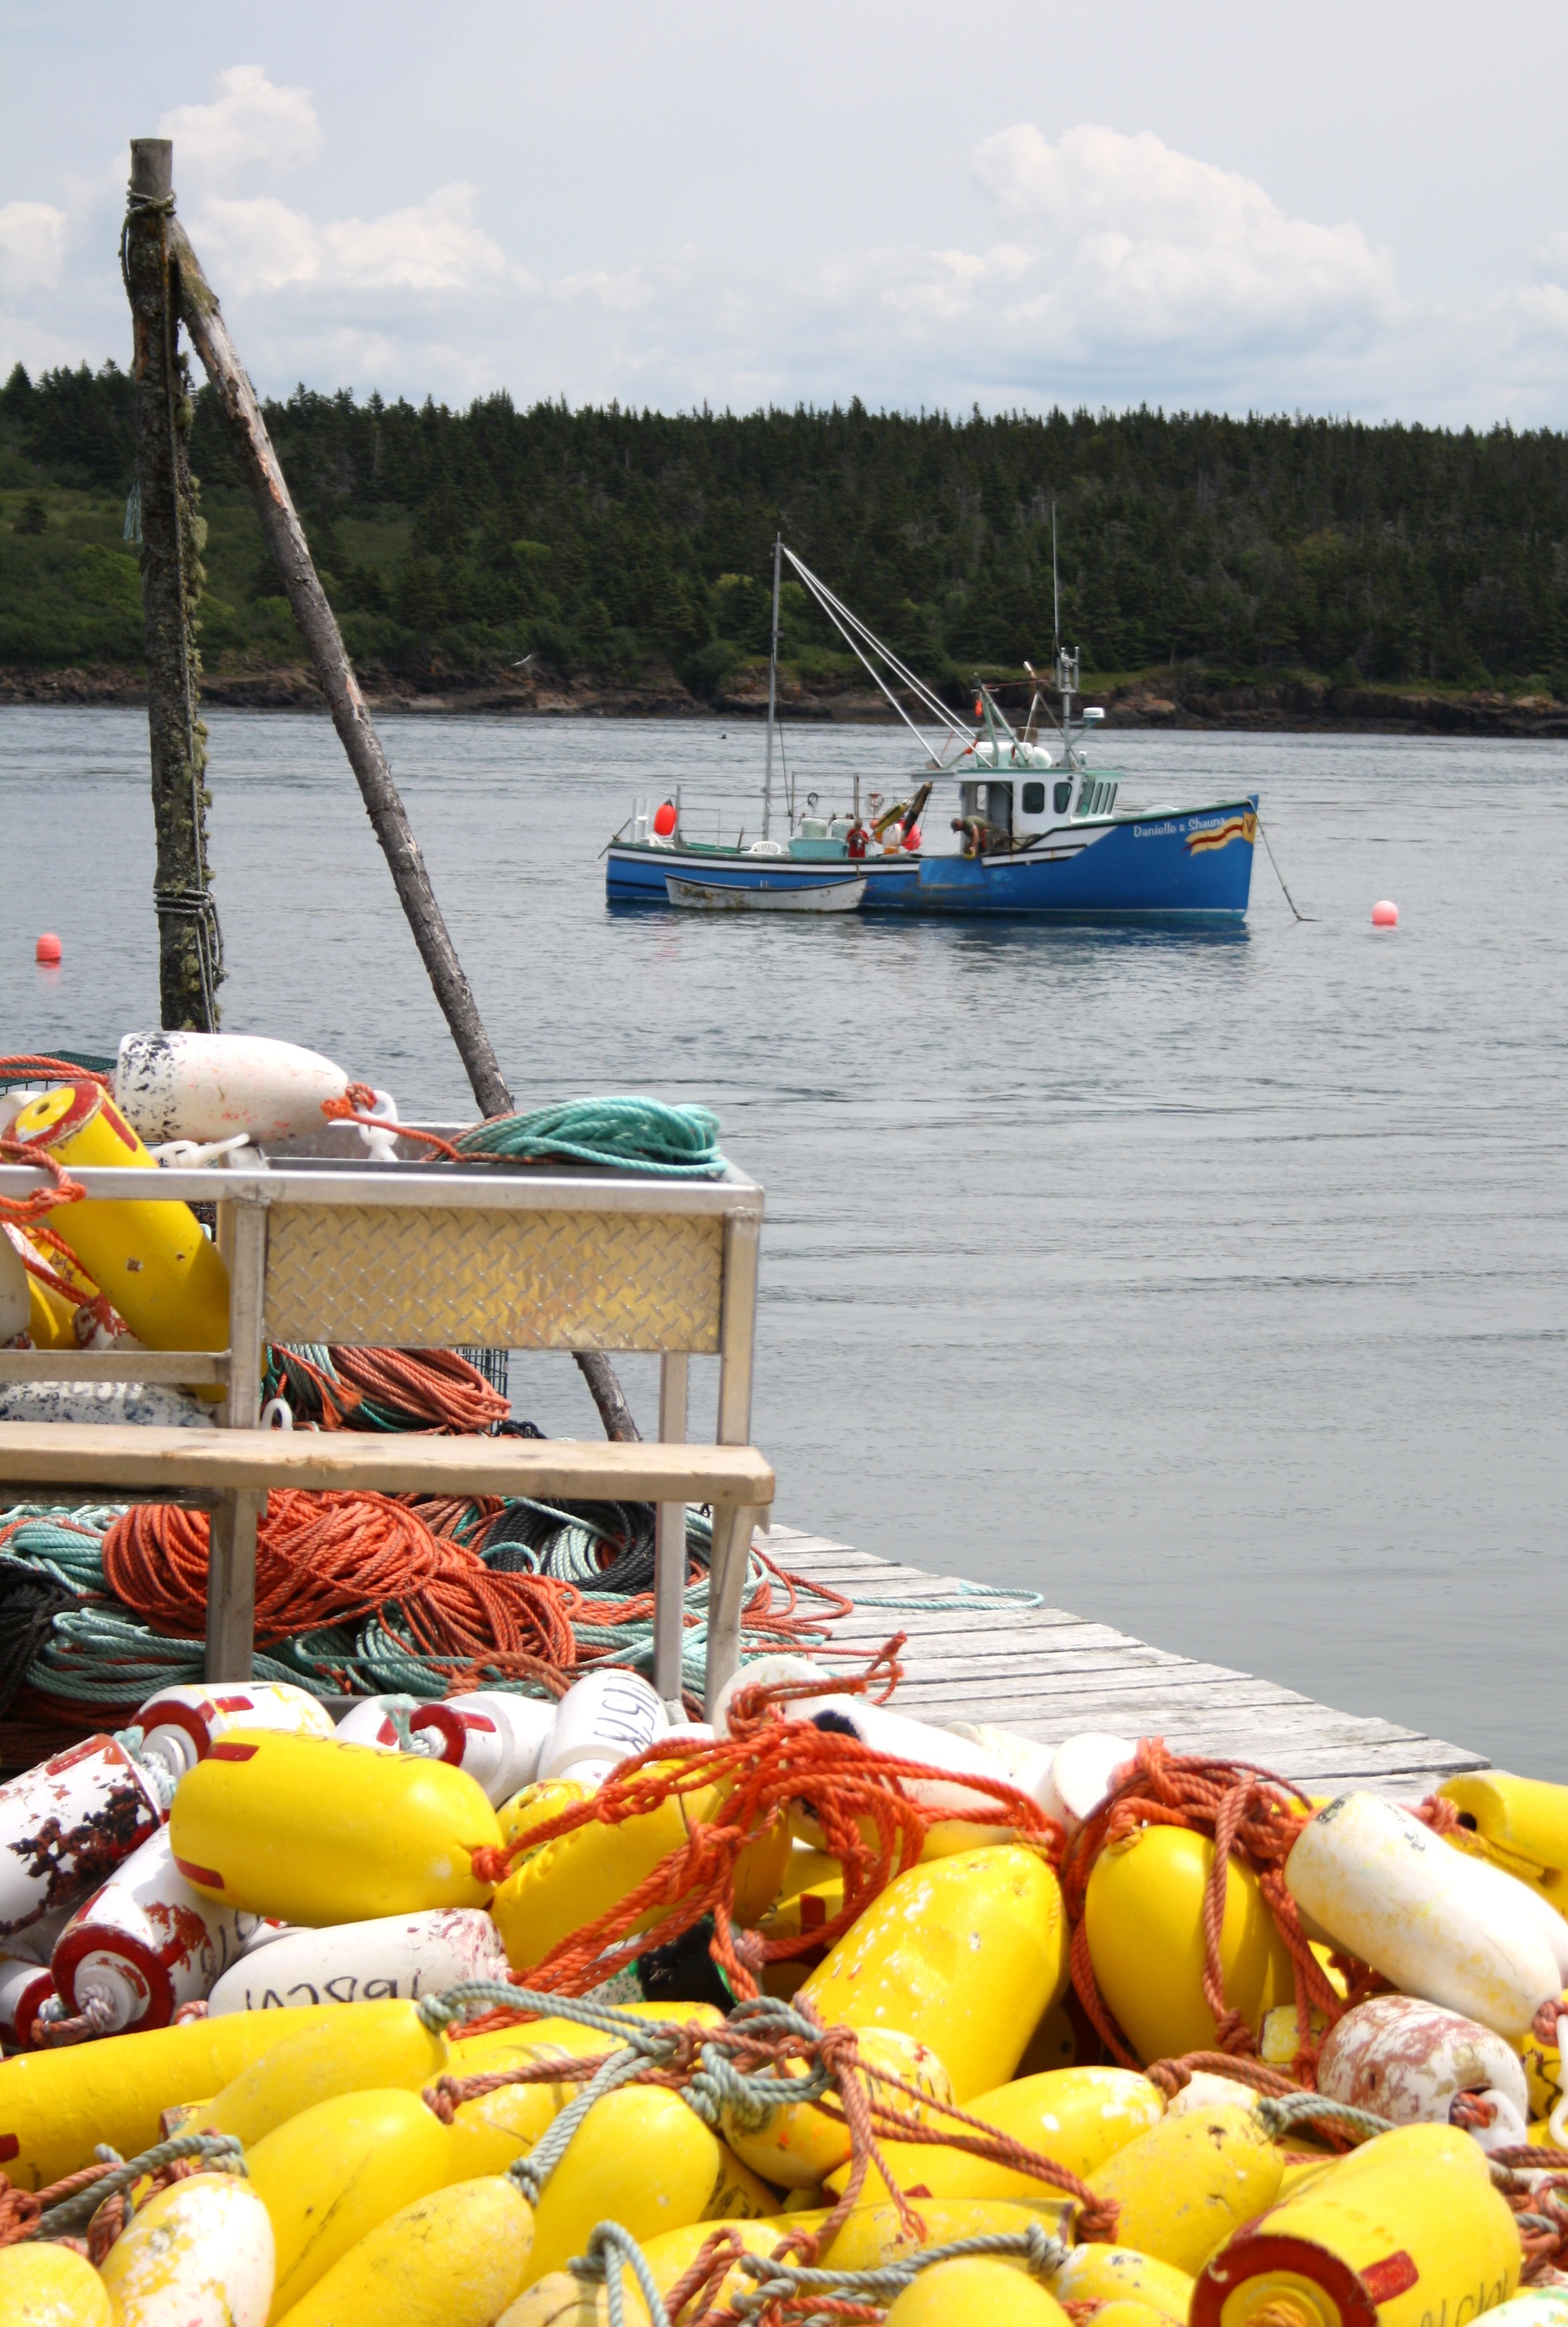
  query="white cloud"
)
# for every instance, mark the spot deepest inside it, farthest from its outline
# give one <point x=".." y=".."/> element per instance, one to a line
<point x="32" y="246"/>
<point x="250" y="125"/>
<point x="257" y="244"/>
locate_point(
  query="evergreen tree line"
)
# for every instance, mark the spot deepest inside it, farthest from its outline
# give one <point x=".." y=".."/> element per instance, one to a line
<point x="616" y="544"/>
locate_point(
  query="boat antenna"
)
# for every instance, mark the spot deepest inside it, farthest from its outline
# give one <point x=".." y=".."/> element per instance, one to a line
<point x="772" y="695"/>
<point x="1055" y="590"/>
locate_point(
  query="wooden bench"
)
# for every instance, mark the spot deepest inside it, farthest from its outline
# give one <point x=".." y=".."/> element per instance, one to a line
<point x="415" y="1256"/>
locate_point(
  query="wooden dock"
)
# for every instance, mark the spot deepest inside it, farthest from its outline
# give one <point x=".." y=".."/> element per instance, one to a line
<point x="1048" y="1674"/>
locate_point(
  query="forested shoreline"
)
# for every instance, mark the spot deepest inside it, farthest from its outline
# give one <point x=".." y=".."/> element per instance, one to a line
<point x="607" y="554"/>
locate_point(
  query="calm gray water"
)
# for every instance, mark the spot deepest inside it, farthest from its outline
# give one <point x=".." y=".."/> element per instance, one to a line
<point x="1214" y="1285"/>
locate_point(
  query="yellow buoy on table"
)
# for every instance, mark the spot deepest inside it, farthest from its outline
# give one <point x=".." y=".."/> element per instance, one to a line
<point x="1522" y="1823"/>
<point x="1407" y="2230"/>
<point x="969" y="2288"/>
<point x="582" y="1875"/>
<point x="327" y="2176"/>
<point x="964" y="1955"/>
<point x="56" y="2106"/>
<point x="873" y="2235"/>
<point x="199" y="2252"/>
<point x="344" y="2048"/>
<point x="1144" y="1913"/>
<point x="46" y="2285"/>
<point x="153" y="1259"/>
<point x="641" y="2158"/>
<point x="317" y="1832"/>
<point x="799" y="2145"/>
<point x="1188" y="2182"/>
<point x="1118" y="2275"/>
<point x="456" y="2258"/>
<point x="1078" y="2117"/>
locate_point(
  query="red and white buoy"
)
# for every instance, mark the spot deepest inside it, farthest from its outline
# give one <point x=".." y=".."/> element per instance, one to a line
<point x="66" y="1824"/>
<point x="370" y="1962"/>
<point x="180" y="1725"/>
<point x="492" y="1734"/>
<point x="145" y="1944"/>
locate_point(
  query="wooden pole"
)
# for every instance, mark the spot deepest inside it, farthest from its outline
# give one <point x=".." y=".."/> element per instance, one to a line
<point x="190" y="949"/>
<point x="197" y="303"/>
<point x="350" y="715"/>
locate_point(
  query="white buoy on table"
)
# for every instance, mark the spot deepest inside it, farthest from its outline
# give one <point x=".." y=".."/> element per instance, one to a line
<point x="603" y="1719"/>
<point x="145" y="1944"/>
<point x="376" y="1961"/>
<point x="66" y="1823"/>
<point x="492" y="1734"/>
<point x="180" y="1725"/>
<point x="173" y="1085"/>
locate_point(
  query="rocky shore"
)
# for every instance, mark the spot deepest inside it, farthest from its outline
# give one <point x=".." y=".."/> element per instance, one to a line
<point x="1170" y="699"/>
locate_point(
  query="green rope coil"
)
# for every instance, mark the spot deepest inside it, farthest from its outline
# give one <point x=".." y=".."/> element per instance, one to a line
<point x="622" y="1135"/>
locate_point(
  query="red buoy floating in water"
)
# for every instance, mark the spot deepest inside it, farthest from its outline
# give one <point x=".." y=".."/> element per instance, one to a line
<point x="1385" y="914"/>
<point x="48" y="948"/>
<point x="664" y="819"/>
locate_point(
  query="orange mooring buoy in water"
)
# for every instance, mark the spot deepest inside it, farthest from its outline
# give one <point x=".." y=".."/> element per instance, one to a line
<point x="48" y="948"/>
<point x="1385" y="914"/>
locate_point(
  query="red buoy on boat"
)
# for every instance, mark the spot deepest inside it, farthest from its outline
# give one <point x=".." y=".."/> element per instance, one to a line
<point x="912" y="838"/>
<point x="48" y="948"/>
<point x="664" y="819"/>
<point x="1385" y="914"/>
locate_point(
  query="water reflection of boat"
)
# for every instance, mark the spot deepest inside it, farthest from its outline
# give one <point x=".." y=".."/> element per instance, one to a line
<point x="1037" y="830"/>
<point x="817" y="896"/>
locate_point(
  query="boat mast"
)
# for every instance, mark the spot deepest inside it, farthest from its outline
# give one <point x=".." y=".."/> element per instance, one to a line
<point x="772" y="695"/>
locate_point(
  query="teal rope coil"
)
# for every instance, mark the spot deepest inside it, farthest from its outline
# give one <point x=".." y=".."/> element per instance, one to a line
<point x="623" y="1134"/>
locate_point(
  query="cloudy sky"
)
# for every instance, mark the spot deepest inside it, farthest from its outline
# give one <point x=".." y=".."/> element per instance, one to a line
<point x="1229" y="203"/>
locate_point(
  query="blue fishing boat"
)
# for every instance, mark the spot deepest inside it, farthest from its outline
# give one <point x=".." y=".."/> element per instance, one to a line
<point x="1037" y="830"/>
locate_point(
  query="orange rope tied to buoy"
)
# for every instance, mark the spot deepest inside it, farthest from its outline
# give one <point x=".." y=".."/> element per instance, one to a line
<point x="766" y="1763"/>
<point x="26" y="1209"/>
<point x="353" y="1107"/>
<point x="1246" y="1813"/>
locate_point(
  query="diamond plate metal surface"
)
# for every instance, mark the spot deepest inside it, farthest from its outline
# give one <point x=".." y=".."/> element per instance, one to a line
<point x="433" y="1278"/>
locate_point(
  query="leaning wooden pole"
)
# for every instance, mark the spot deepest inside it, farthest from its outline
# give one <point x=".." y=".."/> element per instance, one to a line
<point x="189" y="948"/>
<point x="198" y="305"/>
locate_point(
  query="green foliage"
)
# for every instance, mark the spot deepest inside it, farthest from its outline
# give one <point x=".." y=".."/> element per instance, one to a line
<point x="617" y="543"/>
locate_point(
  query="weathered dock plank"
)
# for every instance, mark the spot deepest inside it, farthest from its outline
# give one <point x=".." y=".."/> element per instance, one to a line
<point x="1045" y="1673"/>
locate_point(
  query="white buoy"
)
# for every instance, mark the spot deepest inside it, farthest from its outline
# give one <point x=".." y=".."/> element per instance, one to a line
<point x="1428" y="1917"/>
<point x="388" y="1956"/>
<point x="145" y="1944"/>
<point x="601" y="1720"/>
<point x="765" y="1672"/>
<point x="1409" y="2061"/>
<point x="904" y="1740"/>
<point x="200" y="2254"/>
<point x="180" y="1725"/>
<point x="16" y="1301"/>
<point x="65" y="1824"/>
<point x="492" y="1734"/>
<point x="215" y="1087"/>
<point x="1082" y="1771"/>
<point x="25" y="1987"/>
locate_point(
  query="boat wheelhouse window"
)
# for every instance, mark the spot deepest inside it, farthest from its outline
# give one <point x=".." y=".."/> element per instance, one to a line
<point x="1061" y="795"/>
<point x="1034" y="800"/>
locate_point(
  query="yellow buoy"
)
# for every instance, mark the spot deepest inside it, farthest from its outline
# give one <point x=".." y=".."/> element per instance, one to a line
<point x="1122" y="2311"/>
<point x="968" y="2289"/>
<point x="671" y="2254"/>
<point x="49" y="1319"/>
<point x="55" y="2108"/>
<point x="1521" y="1823"/>
<point x="642" y="2159"/>
<point x="329" y="2174"/>
<point x="1189" y="2182"/>
<point x="799" y="2145"/>
<point x="45" y="2286"/>
<point x="494" y="2129"/>
<point x="200" y="2251"/>
<point x="1116" y="2274"/>
<point x="873" y="2235"/>
<point x="562" y="2301"/>
<point x="582" y="1875"/>
<point x="159" y="1269"/>
<point x="1078" y="2117"/>
<point x="965" y="1955"/>
<point x="1410" y="2224"/>
<point x="537" y="1805"/>
<point x="456" y="2258"/>
<point x="344" y="2048"/>
<point x="1143" y="1912"/>
<point x="315" y="1832"/>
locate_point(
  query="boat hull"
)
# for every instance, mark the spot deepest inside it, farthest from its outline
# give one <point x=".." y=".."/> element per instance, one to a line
<point x="1195" y="866"/>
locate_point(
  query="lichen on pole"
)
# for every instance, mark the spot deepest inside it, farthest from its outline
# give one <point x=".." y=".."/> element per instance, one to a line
<point x="189" y="948"/>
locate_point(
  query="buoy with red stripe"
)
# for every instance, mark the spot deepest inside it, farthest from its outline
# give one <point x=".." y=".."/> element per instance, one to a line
<point x="175" y="1084"/>
<point x="1405" y="2230"/>
<point x="492" y="1734"/>
<point x="603" y="1719"/>
<point x="313" y="1831"/>
<point x="145" y="1944"/>
<point x="66" y="1824"/>
<point x="26" y="1986"/>
<point x="153" y="1259"/>
<point x="364" y="1963"/>
<point x="180" y="1725"/>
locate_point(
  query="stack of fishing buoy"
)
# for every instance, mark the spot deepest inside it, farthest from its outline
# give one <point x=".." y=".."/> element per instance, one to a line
<point x="494" y="2012"/>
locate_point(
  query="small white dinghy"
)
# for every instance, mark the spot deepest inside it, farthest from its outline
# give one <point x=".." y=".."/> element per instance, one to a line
<point x="727" y="897"/>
